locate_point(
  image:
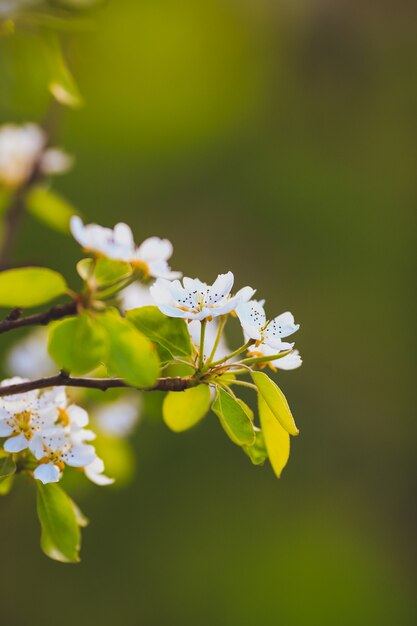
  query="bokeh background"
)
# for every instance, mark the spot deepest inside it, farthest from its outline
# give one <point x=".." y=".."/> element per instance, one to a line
<point x="276" y="139"/>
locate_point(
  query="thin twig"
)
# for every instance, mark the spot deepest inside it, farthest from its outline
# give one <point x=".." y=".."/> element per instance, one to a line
<point x="39" y="319"/>
<point x="174" y="383"/>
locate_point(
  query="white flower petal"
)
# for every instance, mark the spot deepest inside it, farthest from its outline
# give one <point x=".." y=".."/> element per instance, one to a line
<point x="220" y="289"/>
<point x="16" y="443"/>
<point x="5" y="429"/>
<point x="155" y="249"/>
<point x="80" y="456"/>
<point x="77" y="415"/>
<point x="47" y="473"/>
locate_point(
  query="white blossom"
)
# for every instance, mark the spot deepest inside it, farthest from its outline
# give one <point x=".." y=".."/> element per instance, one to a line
<point x="255" y="325"/>
<point x="22" y="149"/>
<point x="135" y="296"/>
<point x="288" y="362"/>
<point x="117" y="243"/>
<point x="195" y="300"/>
<point x="29" y="356"/>
<point x="94" y="472"/>
<point x="118" y="418"/>
<point x="58" y="450"/>
<point x="52" y="429"/>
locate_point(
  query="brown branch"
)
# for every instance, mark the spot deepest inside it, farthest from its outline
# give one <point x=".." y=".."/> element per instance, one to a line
<point x="174" y="383"/>
<point x="57" y="312"/>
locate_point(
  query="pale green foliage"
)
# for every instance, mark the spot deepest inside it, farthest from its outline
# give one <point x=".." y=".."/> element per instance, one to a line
<point x="276" y="401"/>
<point x="169" y="332"/>
<point x="77" y="344"/>
<point x="50" y="208"/>
<point x="130" y="354"/>
<point x="60" y="523"/>
<point x="235" y="420"/>
<point x="30" y="286"/>
<point x="184" y="410"/>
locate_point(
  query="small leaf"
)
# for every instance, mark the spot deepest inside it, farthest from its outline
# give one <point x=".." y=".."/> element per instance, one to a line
<point x="276" y="401"/>
<point x="183" y="409"/>
<point x="109" y="271"/>
<point x="6" y="485"/>
<point x="277" y="440"/>
<point x="30" y="286"/>
<point x="61" y="82"/>
<point x="50" y="208"/>
<point x="130" y="354"/>
<point x="258" y="452"/>
<point x="60" y="538"/>
<point x="82" y="520"/>
<point x="7" y="467"/>
<point x="247" y="409"/>
<point x="85" y="268"/>
<point x="77" y="344"/>
<point x="234" y="418"/>
<point x="169" y="332"/>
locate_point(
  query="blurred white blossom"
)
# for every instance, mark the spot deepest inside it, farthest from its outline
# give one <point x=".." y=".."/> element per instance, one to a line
<point x="23" y="149"/>
<point x="118" y="418"/>
<point x="29" y="356"/>
<point x="117" y="243"/>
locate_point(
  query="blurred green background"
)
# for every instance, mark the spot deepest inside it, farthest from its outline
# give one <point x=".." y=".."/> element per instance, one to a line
<point x="278" y="140"/>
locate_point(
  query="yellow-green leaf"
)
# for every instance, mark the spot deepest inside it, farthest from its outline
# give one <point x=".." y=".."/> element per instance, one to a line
<point x="50" y="208"/>
<point x="234" y="418"/>
<point x="5" y="485"/>
<point x="30" y="286"/>
<point x="7" y="467"/>
<point x="257" y="452"/>
<point x="130" y="354"/>
<point x="276" y="401"/>
<point x="110" y="271"/>
<point x="183" y="409"/>
<point x="277" y="440"/>
<point x="77" y="344"/>
<point x="61" y="83"/>
<point x="169" y="332"/>
<point x="60" y="538"/>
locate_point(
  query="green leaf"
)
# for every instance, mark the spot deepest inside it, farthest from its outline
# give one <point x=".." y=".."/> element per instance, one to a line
<point x="183" y="409"/>
<point x="169" y="332"/>
<point x="82" y="520"/>
<point x="234" y="418"/>
<point x="50" y="208"/>
<point x="6" y="485"/>
<point x="277" y="440"/>
<point x="130" y="354"/>
<point x="276" y="401"/>
<point x="109" y="271"/>
<point x="61" y="82"/>
<point x="60" y="538"/>
<point x="30" y="286"/>
<point x="7" y="467"/>
<point x="85" y="268"/>
<point x="258" y="452"/>
<point x="77" y="344"/>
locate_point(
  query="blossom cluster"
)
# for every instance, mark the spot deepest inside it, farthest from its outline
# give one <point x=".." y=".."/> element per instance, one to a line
<point x="192" y="299"/>
<point x="51" y="432"/>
